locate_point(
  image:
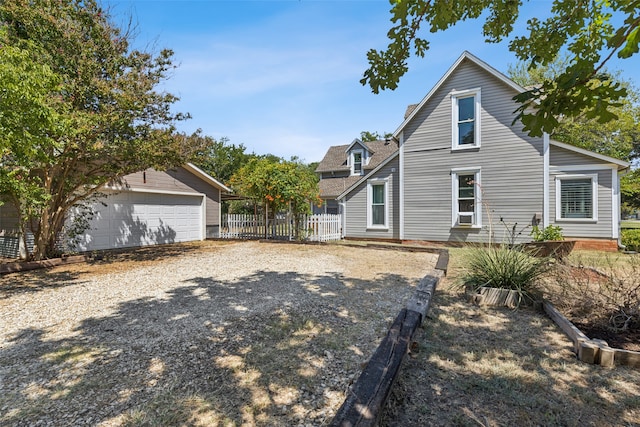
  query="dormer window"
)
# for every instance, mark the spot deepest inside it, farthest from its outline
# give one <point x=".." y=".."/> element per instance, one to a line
<point x="357" y="162"/>
<point x="465" y="119"/>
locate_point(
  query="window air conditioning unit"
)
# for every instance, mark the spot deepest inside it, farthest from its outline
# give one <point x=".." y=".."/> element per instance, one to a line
<point x="465" y="219"/>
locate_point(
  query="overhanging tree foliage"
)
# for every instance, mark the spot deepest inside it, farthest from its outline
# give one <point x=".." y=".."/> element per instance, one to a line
<point x="590" y="31"/>
<point x="619" y="138"/>
<point x="86" y="114"/>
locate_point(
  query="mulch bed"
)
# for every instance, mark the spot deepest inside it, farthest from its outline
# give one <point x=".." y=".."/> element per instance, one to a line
<point x="627" y="340"/>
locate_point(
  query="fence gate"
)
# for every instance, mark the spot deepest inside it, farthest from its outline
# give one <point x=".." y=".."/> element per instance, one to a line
<point x="316" y="228"/>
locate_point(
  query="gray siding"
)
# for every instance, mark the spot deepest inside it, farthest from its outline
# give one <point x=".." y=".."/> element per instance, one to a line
<point x="180" y="180"/>
<point x="511" y="163"/>
<point x="356" y="207"/>
<point x="563" y="162"/>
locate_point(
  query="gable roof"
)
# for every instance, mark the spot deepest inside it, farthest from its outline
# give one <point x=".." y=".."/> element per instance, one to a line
<point x="621" y="164"/>
<point x="206" y="177"/>
<point x="409" y="115"/>
<point x="366" y="177"/>
<point x="358" y="142"/>
<point x="336" y="158"/>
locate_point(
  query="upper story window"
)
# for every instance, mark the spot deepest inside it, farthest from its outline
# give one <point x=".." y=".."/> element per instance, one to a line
<point x="577" y="197"/>
<point x="466" y="119"/>
<point x="357" y="161"/>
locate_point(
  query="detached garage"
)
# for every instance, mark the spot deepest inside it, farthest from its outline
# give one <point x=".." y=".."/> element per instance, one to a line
<point x="134" y="218"/>
<point x="148" y="208"/>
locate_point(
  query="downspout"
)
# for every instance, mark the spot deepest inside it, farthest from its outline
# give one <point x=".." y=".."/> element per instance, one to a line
<point x="545" y="180"/>
<point x="618" y="199"/>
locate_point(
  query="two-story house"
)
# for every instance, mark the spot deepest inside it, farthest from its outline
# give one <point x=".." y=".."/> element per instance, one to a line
<point x="462" y="166"/>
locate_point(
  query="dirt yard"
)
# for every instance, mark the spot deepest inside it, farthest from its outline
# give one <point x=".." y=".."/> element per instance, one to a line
<point x="198" y="334"/>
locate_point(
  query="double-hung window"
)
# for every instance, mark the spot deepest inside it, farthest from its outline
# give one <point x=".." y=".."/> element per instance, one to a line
<point x="357" y="159"/>
<point x="465" y="119"/>
<point x="577" y="197"/>
<point x="465" y="187"/>
<point x="377" y="204"/>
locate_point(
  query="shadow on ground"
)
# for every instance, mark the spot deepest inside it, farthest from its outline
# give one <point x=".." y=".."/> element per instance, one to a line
<point x="247" y="352"/>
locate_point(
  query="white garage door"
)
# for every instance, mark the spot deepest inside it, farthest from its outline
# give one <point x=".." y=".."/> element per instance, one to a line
<point x="139" y="219"/>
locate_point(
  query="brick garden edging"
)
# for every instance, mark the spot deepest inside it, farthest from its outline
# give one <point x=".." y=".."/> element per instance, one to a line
<point x="364" y="402"/>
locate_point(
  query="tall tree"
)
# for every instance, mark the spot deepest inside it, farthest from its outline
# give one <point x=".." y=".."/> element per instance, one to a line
<point x="90" y="114"/>
<point x="590" y="31"/>
<point x="619" y="138"/>
<point x="219" y="158"/>
<point x="366" y="136"/>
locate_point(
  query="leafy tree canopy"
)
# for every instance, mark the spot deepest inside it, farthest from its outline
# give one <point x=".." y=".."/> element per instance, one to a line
<point x="366" y="136"/>
<point x="219" y="158"/>
<point x="619" y="138"/>
<point x="278" y="185"/>
<point x="78" y="110"/>
<point x="591" y="32"/>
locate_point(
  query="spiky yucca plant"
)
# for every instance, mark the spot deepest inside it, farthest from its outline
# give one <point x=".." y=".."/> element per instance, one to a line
<point x="505" y="267"/>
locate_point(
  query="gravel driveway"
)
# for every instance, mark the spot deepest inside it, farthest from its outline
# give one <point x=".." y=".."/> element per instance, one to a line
<point x="210" y="333"/>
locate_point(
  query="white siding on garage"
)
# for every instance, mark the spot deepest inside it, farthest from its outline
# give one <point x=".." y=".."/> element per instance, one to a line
<point x="132" y="219"/>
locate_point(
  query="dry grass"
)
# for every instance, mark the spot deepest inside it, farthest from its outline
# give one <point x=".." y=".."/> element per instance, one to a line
<point x="498" y="367"/>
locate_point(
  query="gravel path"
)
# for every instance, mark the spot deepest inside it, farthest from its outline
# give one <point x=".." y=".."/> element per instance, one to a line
<point x="207" y="334"/>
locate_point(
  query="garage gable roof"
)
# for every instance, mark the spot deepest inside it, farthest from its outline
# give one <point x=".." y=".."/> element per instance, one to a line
<point x="206" y="177"/>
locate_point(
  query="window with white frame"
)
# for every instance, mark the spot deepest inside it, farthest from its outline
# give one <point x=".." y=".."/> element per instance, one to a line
<point x="466" y="198"/>
<point x="577" y="197"/>
<point x="377" y="206"/>
<point x="357" y="160"/>
<point x="466" y="119"/>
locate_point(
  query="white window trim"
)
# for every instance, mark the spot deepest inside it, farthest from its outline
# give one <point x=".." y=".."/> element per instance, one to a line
<point x="362" y="161"/>
<point x="478" y="196"/>
<point x="370" y="184"/>
<point x="454" y="118"/>
<point x="594" y="195"/>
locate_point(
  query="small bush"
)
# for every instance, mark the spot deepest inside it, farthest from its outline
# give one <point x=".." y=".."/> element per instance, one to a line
<point x="631" y="238"/>
<point x="499" y="266"/>
<point x="550" y="232"/>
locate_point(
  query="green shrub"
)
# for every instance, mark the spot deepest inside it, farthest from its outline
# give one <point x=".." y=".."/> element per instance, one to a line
<point x="499" y="266"/>
<point x="550" y="232"/>
<point x="631" y="238"/>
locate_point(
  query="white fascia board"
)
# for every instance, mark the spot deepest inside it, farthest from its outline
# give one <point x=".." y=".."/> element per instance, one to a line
<point x="206" y="177"/>
<point x="620" y="163"/>
<point x="475" y="60"/>
<point x="364" y="178"/>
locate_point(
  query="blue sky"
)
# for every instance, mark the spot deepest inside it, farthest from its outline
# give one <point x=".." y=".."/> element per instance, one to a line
<point x="282" y="77"/>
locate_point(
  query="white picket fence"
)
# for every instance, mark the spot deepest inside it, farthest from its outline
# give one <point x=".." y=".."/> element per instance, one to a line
<point x="316" y="228"/>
